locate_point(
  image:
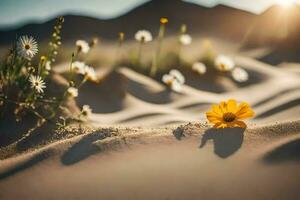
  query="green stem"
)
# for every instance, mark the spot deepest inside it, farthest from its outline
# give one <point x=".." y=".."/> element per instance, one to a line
<point x="71" y="81"/>
<point x="118" y="53"/>
<point x="139" y="54"/>
<point x="156" y="58"/>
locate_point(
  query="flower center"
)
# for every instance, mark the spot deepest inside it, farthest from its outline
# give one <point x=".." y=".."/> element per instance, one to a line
<point x="229" y="117"/>
<point x="223" y="66"/>
<point x="27" y="46"/>
<point x="169" y="83"/>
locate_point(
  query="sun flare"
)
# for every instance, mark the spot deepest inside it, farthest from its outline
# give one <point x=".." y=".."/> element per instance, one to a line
<point x="285" y="3"/>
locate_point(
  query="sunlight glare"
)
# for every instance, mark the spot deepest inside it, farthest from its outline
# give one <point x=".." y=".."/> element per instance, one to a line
<point x="286" y="3"/>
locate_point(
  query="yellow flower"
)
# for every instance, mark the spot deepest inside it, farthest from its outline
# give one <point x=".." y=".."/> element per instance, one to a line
<point x="43" y="59"/>
<point x="229" y="114"/>
<point x="164" y="20"/>
<point x="121" y="36"/>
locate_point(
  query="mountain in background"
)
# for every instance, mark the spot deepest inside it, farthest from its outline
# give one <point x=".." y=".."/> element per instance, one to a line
<point x="221" y="20"/>
<point x="276" y="26"/>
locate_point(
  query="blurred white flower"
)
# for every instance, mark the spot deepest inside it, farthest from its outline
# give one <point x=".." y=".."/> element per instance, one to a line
<point x="73" y="92"/>
<point x="199" y="68"/>
<point x="174" y="80"/>
<point x="240" y="75"/>
<point x="86" y="111"/>
<point x="90" y="73"/>
<point x="143" y="36"/>
<point x="224" y="63"/>
<point x="177" y="75"/>
<point x="37" y="83"/>
<point x="185" y="39"/>
<point x="48" y="65"/>
<point x="27" y="47"/>
<point x="78" y="67"/>
<point x="82" y="46"/>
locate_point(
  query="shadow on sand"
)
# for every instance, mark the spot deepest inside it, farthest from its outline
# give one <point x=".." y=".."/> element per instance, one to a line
<point x="25" y="164"/>
<point x="226" y="141"/>
<point x="83" y="149"/>
<point x="179" y="133"/>
<point x="284" y="153"/>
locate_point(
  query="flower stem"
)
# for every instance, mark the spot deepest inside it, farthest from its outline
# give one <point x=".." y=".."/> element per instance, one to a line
<point x="119" y="48"/>
<point x="156" y="58"/>
<point x="139" y="55"/>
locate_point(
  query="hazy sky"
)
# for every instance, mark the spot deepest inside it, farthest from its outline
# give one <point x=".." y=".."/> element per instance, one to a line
<point x="16" y="12"/>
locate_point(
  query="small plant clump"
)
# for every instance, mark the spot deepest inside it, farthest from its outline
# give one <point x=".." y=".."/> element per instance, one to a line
<point x="24" y="83"/>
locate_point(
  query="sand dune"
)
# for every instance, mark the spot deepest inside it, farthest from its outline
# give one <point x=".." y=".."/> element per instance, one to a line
<point x="188" y="162"/>
<point x="147" y="142"/>
<point x="131" y="99"/>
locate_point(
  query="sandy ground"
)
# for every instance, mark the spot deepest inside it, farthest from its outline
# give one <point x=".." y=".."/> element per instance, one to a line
<point x="149" y="103"/>
<point x="139" y="148"/>
<point x="189" y="162"/>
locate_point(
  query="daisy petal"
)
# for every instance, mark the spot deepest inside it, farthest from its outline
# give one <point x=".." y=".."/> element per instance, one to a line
<point x="240" y="124"/>
<point x="232" y="106"/>
<point x="245" y="115"/>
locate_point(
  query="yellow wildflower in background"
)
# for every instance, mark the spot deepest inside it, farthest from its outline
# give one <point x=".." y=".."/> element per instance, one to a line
<point x="229" y="114"/>
<point x="164" y="20"/>
<point x="43" y="59"/>
<point x="121" y="36"/>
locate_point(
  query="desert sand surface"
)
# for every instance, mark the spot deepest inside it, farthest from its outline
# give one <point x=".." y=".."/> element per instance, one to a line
<point x="143" y="141"/>
<point x="188" y="162"/>
<point x="147" y="142"/>
<point x="147" y="102"/>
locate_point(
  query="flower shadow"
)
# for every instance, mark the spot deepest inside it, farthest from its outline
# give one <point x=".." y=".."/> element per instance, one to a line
<point x="226" y="141"/>
<point x="83" y="149"/>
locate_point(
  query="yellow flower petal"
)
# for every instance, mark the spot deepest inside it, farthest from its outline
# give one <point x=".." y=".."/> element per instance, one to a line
<point x="232" y="106"/>
<point x="248" y="114"/>
<point x="223" y="107"/>
<point x="243" y="107"/>
<point x="219" y="125"/>
<point x="244" y="111"/>
<point x="240" y="124"/>
<point x="216" y="109"/>
<point x="213" y="117"/>
<point x="229" y="114"/>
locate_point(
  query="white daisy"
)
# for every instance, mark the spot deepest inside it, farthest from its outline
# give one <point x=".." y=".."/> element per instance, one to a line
<point x="78" y="67"/>
<point x="172" y="83"/>
<point x="185" y="39"/>
<point x="48" y="66"/>
<point x="240" y="75"/>
<point x="27" y="47"/>
<point x="82" y="46"/>
<point x="37" y="83"/>
<point x="90" y="73"/>
<point x="143" y="36"/>
<point x="73" y="92"/>
<point x="174" y="80"/>
<point x="177" y="75"/>
<point x="86" y="111"/>
<point x="199" y="68"/>
<point x="224" y="63"/>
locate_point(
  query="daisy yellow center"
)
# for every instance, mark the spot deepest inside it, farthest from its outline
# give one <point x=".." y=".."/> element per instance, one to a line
<point x="169" y="82"/>
<point x="27" y="46"/>
<point x="223" y="66"/>
<point x="229" y="117"/>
